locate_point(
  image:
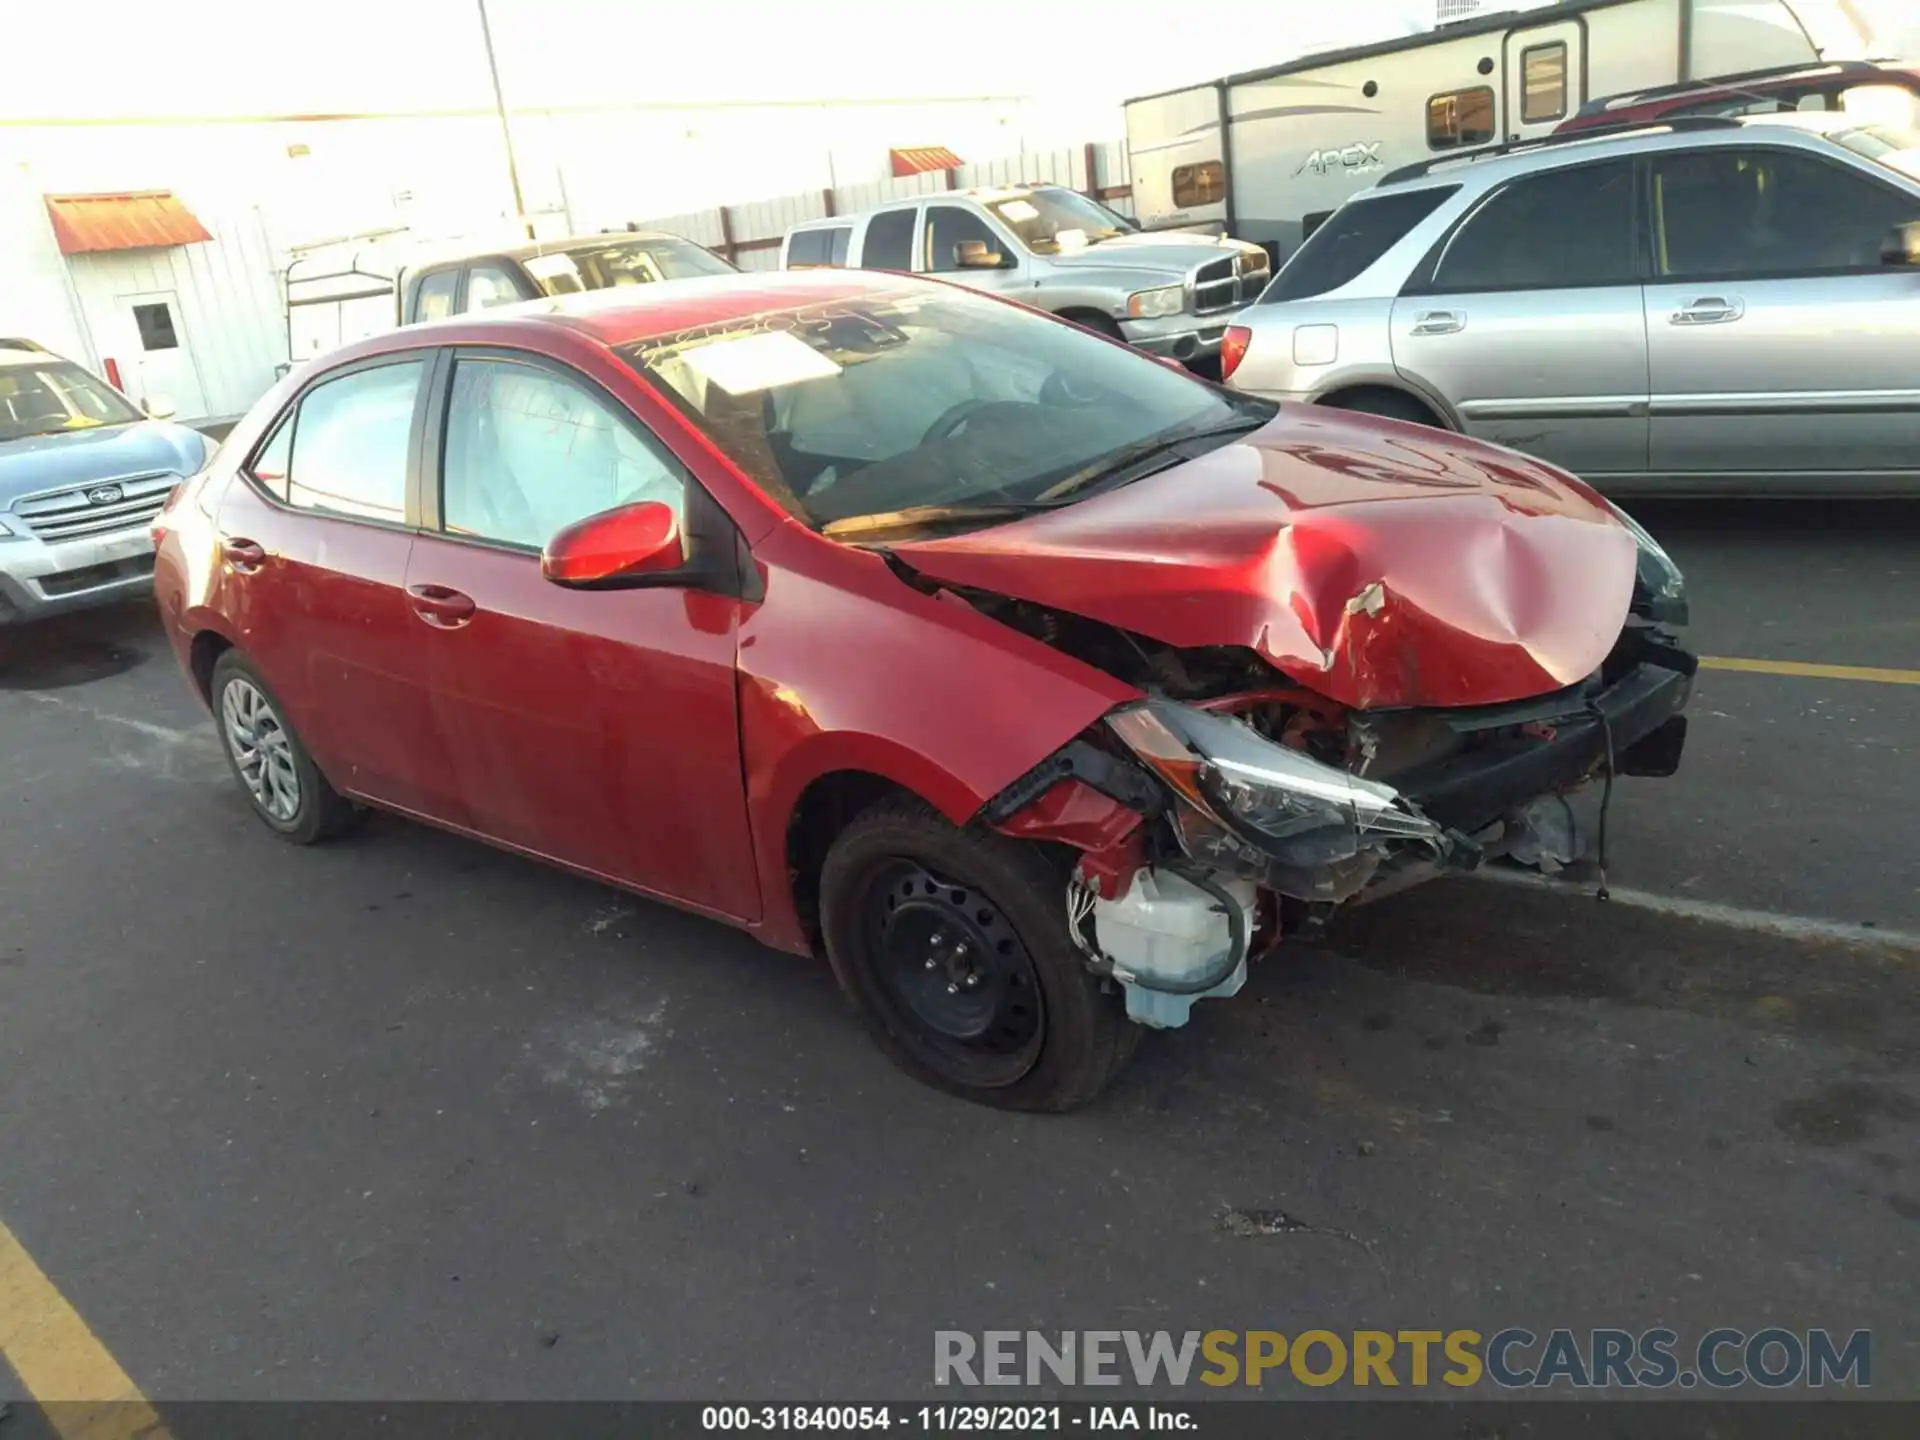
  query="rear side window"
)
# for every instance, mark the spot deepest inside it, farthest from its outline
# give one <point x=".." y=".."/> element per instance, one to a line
<point x="1460" y="118"/>
<point x="1358" y="234"/>
<point x="889" y="244"/>
<point x="350" y="439"/>
<point x="1550" y="231"/>
<point x="809" y="248"/>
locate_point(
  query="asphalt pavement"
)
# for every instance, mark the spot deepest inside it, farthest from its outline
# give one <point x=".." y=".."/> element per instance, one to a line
<point x="402" y="1116"/>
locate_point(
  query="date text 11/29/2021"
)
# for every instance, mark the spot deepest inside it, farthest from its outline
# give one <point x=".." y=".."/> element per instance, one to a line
<point x="948" y="1419"/>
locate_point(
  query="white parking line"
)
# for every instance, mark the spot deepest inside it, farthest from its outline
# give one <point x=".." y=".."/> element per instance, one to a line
<point x="145" y="727"/>
<point x="1734" y="917"/>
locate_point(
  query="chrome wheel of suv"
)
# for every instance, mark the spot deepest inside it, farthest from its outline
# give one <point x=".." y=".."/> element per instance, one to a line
<point x="262" y="750"/>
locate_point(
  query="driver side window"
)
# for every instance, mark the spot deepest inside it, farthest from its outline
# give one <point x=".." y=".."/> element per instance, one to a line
<point x="947" y="226"/>
<point x="529" y="452"/>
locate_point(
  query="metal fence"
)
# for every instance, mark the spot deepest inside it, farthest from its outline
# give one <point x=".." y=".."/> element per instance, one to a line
<point x="749" y="234"/>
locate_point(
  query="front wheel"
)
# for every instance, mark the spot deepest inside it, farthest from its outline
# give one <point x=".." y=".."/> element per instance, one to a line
<point x="953" y="946"/>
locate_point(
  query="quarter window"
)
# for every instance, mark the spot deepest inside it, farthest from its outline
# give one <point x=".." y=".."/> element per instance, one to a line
<point x="1729" y="213"/>
<point x="889" y="244"/>
<point x="350" y="442"/>
<point x="1352" y="238"/>
<point x="1550" y="231"/>
<point x="1202" y="184"/>
<point x="947" y="227"/>
<point x="528" y="453"/>
<point x="1459" y="118"/>
<point x="270" y="465"/>
<point x="1543" y="83"/>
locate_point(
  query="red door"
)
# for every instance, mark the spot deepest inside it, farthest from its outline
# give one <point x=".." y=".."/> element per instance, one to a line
<point x="596" y="728"/>
<point x="315" y="580"/>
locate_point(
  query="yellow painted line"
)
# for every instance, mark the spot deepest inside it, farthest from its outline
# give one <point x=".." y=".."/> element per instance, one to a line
<point x="86" y="1395"/>
<point x="1806" y="670"/>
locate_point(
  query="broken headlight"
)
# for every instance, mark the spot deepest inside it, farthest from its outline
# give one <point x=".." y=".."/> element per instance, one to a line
<point x="1302" y="813"/>
<point x="1655" y="576"/>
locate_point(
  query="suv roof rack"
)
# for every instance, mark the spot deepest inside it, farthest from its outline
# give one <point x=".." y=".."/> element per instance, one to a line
<point x="1539" y="142"/>
<point x="1707" y="84"/>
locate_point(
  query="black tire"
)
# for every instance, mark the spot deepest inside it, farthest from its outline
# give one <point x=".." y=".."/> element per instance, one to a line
<point x="316" y="810"/>
<point x="899" y="868"/>
<point x="1093" y="320"/>
<point x="1389" y="404"/>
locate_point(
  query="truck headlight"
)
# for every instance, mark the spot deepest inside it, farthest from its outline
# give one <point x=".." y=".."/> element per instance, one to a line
<point x="1655" y="572"/>
<point x="1299" y="811"/>
<point x="1152" y="304"/>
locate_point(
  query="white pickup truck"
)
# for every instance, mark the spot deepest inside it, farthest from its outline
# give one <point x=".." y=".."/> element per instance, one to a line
<point x="1169" y="292"/>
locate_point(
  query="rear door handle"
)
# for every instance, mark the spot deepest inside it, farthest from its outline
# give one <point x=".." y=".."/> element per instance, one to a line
<point x="1709" y="310"/>
<point x="438" y="605"/>
<point x="1439" y="322"/>
<point x="246" y="556"/>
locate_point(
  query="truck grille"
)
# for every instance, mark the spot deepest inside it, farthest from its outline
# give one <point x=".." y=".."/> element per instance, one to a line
<point x="101" y="508"/>
<point x="1229" y="283"/>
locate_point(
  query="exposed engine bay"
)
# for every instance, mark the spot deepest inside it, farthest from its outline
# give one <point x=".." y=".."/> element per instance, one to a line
<point x="1234" y="804"/>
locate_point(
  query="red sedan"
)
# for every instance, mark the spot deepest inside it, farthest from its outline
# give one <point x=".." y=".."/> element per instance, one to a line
<point x="1036" y="682"/>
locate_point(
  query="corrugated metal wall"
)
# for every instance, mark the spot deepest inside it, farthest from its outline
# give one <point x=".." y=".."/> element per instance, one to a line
<point x="750" y="232"/>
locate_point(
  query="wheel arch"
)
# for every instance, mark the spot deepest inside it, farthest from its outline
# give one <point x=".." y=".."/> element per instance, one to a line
<point x="1397" y="385"/>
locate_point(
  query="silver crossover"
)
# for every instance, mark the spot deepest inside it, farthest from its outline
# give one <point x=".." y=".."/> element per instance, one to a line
<point x="1706" y="305"/>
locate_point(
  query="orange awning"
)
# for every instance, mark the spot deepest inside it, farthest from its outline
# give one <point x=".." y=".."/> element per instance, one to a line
<point x="922" y="158"/>
<point x="122" y="222"/>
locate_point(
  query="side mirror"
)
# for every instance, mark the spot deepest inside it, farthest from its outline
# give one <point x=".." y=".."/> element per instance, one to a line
<point x="1902" y="245"/>
<point x="159" y="407"/>
<point x="616" y="549"/>
<point x="974" y="255"/>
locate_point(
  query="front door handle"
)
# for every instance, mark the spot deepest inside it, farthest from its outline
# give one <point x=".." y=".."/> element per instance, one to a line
<point x="1709" y="310"/>
<point x="1439" y="322"/>
<point x="438" y="605"/>
<point x="246" y="556"/>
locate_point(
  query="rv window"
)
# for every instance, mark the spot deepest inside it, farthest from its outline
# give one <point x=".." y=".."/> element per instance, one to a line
<point x="1359" y="233"/>
<point x="889" y="242"/>
<point x="1550" y="231"/>
<point x="1202" y="184"/>
<point x="1543" y="83"/>
<point x="1460" y="118"/>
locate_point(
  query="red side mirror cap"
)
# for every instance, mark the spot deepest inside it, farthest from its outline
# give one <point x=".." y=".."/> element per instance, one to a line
<point x="615" y="547"/>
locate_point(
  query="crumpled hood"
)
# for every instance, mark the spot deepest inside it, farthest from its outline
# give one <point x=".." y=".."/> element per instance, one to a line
<point x="1381" y="564"/>
<point x="85" y="457"/>
<point x="1174" y="251"/>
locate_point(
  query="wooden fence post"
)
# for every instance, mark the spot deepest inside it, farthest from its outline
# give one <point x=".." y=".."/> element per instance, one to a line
<point x="1092" y="192"/>
<point x="726" y="235"/>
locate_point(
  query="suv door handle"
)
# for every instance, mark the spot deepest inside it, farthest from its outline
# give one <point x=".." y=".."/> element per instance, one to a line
<point x="1709" y="310"/>
<point x="1439" y="322"/>
<point x="246" y="556"/>
<point x="438" y="605"/>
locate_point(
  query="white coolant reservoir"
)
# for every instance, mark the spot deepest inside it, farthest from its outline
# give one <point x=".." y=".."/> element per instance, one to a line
<point x="1168" y="938"/>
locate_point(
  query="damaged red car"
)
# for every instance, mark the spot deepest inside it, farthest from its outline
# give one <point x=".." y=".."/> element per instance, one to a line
<point x="1036" y="683"/>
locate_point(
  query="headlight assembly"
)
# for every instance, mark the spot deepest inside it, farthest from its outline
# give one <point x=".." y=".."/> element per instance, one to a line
<point x="1152" y="304"/>
<point x="1302" y="813"/>
<point x="1655" y="573"/>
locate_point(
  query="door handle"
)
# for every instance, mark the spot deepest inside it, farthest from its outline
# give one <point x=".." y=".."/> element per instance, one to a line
<point x="246" y="556"/>
<point x="1709" y="310"/>
<point x="1439" y="322"/>
<point x="438" y="605"/>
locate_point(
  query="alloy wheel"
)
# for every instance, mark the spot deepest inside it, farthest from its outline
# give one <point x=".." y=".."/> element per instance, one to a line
<point x="261" y="748"/>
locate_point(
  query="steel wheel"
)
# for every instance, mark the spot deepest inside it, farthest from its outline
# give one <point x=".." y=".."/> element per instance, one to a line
<point x="261" y="749"/>
<point x="952" y="967"/>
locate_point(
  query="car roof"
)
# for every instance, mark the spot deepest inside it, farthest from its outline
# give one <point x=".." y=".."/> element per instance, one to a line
<point x="627" y="313"/>
<point x="24" y="358"/>
<point x="450" y="253"/>
<point x="1484" y="168"/>
<point x="984" y="194"/>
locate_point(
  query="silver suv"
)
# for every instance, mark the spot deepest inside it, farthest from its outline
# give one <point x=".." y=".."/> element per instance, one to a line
<point x="1706" y="305"/>
<point x="1169" y="292"/>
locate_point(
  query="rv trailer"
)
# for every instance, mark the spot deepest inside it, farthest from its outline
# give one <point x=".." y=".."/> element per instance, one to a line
<point x="1266" y="155"/>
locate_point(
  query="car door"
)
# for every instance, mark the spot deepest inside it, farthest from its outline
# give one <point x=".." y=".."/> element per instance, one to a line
<point x="1779" y="345"/>
<point x="595" y="728"/>
<point x="946" y="228"/>
<point x="1526" y="316"/>
<point x="314" y="544"/>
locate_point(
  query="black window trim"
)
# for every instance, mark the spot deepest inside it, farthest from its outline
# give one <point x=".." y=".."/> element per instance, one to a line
<point x="1650" y="242"/>
<point x="1421" y="280"/>
<point x="1566" y="82"/>
<point x="413" y="355"/>
<point x="1426" y="119"/>
<point x="715" y="564"/>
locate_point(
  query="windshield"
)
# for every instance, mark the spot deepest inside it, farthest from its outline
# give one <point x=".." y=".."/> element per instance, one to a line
<point x="1050" y="219"/>
<point x="624" y="262"/>
<point x="49" y="398"/>
<point x="926" y="399"/>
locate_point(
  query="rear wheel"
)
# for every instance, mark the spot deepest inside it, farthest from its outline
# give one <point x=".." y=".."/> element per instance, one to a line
<point x="280" y="780"/>
<point x="1390" y="404"/>
<point x="1093" y="320"/>
<point x="953" y="946"/>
